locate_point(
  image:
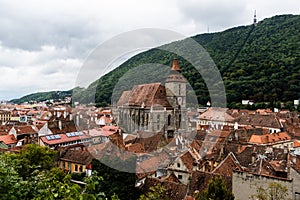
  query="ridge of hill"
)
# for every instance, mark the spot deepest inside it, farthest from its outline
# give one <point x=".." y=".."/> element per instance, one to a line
<point x="261" y="63"/>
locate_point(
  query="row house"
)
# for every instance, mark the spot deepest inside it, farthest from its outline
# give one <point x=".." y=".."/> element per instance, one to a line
<point x="183" y="166"/>
<point x="216" y="118"/>
<point x="89" y="137"/>
<point x="76" y="160"/>
<point x="57" y="140"/>
<point x="5" y="116"/>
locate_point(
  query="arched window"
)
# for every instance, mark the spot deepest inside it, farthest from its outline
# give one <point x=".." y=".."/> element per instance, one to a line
<point x="147" y="120"/>
<point x="169" y="120"/>
<point x="179" y="121"/>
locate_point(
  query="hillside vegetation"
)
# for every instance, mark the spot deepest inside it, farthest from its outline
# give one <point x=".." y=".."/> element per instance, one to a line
<point x="43" y="96"/>
<point x="260" y="62"/>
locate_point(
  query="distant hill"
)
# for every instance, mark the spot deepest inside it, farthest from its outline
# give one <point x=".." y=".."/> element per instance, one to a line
<point x="261" y="63"/>
<point x="43" y="96"/>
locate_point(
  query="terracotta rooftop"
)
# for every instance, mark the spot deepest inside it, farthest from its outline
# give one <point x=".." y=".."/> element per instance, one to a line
<point x="216" y="114"/>
<point x="152" y="164"/>
<point x="296" y="143"/>
<point x="104" y="131"/>
<point x="145" y="95"/>
<point x="24" y="130"/>
<point x="188" y="160"/>
<point x="77" y="156"/>
<point x="270" y="138"/>
<point x="151" y="143"/>
<point x="124" y="99"/>
<point x="270" y="121"/>
<point x="62" y="138"/>
<point x="135" y="148"/>
<point x="8" y="139"/>
<point x="229" y="164"/>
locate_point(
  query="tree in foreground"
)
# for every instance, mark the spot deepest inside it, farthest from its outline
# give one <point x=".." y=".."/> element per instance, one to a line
<point x="32" y="174"/>
<point x="216" y="190"/>
<point x="274" y="191"/>
<point x="156" y="193"/>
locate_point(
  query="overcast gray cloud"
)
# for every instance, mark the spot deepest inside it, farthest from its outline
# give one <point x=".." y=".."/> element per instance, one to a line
<point x="43" y="44"/>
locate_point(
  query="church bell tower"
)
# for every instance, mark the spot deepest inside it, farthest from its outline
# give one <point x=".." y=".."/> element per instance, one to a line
<point x="176" y="93"/>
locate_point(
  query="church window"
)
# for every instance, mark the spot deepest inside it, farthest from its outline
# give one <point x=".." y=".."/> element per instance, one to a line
<point x="158" y="122"/>
<point x="169" y="120"/>
<point x="179" y="121"/>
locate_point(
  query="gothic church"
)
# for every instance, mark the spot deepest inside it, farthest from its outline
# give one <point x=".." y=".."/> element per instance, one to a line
<point x="155" y="107"/>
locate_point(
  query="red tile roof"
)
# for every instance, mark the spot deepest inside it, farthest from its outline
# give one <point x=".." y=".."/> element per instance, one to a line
<point x="152" y="164"/>
<point x="145" y="95"/>
<point x="63" y="138"/>
<point x="104" y="131"/>
<point x="229" y="164"/>
<point x="296" y="143"/>
<point x="77" y="156"/>
<point x="8" y="139"/>
<point x="270" y="138"/>
<point x="270" y="121"/>
<point x="188" y="160"/>
<point x="216" y="114"/>
<point x="24" y="130"/>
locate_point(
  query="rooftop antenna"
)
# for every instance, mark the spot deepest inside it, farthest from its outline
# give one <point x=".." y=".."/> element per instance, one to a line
<point x="255" y="19"/>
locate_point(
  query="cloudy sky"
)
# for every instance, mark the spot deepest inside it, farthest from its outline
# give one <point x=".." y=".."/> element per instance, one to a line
<point x="43" y="44"/>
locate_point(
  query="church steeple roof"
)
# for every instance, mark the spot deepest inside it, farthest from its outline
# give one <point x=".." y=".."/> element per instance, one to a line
<point x="175" y="73"/>
<point x="175" y="66"/>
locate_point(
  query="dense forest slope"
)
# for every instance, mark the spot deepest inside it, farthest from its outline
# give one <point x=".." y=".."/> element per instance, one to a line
<point x="256" y="62"/>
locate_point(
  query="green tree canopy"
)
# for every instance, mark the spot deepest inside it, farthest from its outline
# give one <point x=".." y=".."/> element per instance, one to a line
<point x="274" y="191"/>
<point x="216" y="190"/>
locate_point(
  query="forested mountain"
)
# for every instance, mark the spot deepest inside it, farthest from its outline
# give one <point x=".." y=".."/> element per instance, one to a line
<point x="260" y="62"/>
<point x="42" y="96"/>
<point x="256" y="62"/>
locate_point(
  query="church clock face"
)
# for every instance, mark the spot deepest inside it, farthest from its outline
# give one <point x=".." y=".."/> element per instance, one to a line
<point x="179" y="99"/>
